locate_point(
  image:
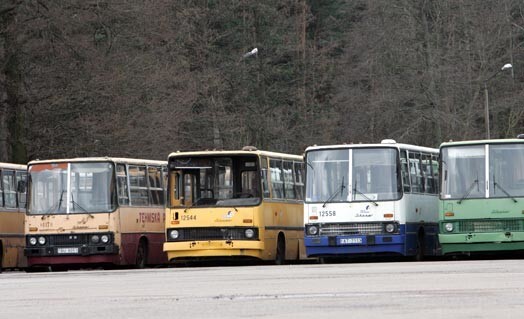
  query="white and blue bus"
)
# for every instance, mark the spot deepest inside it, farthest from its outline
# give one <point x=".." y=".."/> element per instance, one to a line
<point x="371" y="199"/>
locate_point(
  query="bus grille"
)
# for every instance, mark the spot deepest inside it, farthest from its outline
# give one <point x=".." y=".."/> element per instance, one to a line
<point x="65" y="240"/>
<point x="69" y="239"/>
<point x="484" y="226"/>
<point x="213" y="233"/>
<point x="351" y="229"/>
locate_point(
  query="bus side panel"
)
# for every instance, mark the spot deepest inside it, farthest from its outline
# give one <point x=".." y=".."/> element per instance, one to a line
<point x="420" y="213"/>
<point x="286" y="218"/>
<point x="12" y="239"/>
<point x="146" y="223"/>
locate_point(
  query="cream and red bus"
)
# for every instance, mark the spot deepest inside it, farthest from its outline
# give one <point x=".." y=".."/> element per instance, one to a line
<point x="235" y="204"/>
<point x="12" y="209"/>
<point x="87" y="211"/>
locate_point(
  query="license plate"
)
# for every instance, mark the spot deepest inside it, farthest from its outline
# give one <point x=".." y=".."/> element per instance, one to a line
<point x="68" y="250"/>
<point x="350" y="241"/>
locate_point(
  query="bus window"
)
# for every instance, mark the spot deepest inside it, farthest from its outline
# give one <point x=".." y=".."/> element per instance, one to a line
<point x="264" y="177"/>
<point x="277" y="182"/>
<point x="189" y="191"/>
<point x="156" y="192"/>
<point x="415" y="173"/>
<point x="289" y="183"/>
<point x="427" y="169"/>
<point x="175" y="197"/>
<point x="405" y="171"/>
<point x="249" y="184"/>
<point x="138" y="186"/>
<point x="9" y="187"/>
<point x="299" y="180"/>
<point x="121" y="180"/>
<point x="21" y="184"/>
<point x="434" y="164"/>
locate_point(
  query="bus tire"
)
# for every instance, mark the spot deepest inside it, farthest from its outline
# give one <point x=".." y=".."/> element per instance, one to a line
<point x="280" y="256"/>
<point x="141" y="254"/>
<point x="419" y="256"/>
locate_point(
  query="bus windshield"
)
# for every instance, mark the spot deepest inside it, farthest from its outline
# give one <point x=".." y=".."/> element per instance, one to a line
<point x="373" y="175"/>
<point x="215" y="181"/>
<point x="463" y="172"/>
<point x="71" y="188"/>
<point x="506" y="170"/>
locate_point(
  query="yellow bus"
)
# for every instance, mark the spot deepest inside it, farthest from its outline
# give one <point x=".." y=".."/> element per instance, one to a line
<point x="88" y="211"/>
<point x="234" y="204"/>
<point x="12" y="208"/>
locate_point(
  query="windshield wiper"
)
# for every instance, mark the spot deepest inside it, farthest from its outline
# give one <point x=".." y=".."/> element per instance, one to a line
<point x="57" y="205"/>
<point x="82" y="208"/>
<point x="495" y="184"/>
<point x="355" y="190"/>
<point x="469" y="190"/>
<point x="340" y="190"/>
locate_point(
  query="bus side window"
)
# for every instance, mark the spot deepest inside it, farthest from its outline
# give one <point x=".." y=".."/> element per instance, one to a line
<point x="9" y="187"/>
<point x="121" y="182"/>
<point x="299" y="180"/>
<point x="21" y="188"/>
<point x="415" y="173"/>
<point x="429" y="185"/>
<point x="264" y="177"/>
<point x="277" y="182"/>
<point x="434" y="164"/>
<point x="405" y="171"/>
<point x="289" y="182"/>
<point x="156" y="192"/>
<point x="138" y="186"/>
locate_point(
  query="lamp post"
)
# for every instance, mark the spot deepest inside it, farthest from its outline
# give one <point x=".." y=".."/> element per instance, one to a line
<point x="217" y="139"/>
<point x="486" y="97"/>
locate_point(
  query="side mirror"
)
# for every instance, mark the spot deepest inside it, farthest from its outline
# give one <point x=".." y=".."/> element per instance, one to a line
<point x="21" y="187"/>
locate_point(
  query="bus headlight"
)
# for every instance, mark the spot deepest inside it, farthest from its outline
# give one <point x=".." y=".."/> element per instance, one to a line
<point x="249" y="233"/>
<point x="41" y="240"/>
<point x="312" y="230"/>
<point x="105" y="239"/>
<point x="173" y="234"/>
<point x="448" y="227"/>
<point x="95" y="239"/>
<point x="32" y="241"/>
<point x="390" y="228"/>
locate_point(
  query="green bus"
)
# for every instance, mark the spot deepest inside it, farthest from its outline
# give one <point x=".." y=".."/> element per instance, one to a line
<point x="482" y="196"/>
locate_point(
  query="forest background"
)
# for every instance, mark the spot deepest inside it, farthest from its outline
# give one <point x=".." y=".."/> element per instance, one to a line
<point x="145" y="78"/>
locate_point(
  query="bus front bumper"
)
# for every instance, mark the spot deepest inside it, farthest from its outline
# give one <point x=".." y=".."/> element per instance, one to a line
<point x="84" y="250"/>
<point x="319" y="246"/>
<point x="214" y="248"/>
<point x="481" y="242"/>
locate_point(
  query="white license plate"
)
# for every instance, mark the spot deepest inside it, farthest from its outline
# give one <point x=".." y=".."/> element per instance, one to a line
<point x="68" y="250"/>
<point x="350" y="241"/>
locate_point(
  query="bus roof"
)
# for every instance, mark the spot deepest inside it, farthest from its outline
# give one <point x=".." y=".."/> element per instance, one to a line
<point x="237" y="152"/>
<point x="482" y="142"/>
<point x="12" y="166"/>
<point x="99" y="159"/>
<point x="383" y="144"/>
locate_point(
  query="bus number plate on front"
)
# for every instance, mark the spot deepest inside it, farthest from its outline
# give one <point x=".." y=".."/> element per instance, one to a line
<point x="68" y="250"/>
<point x="350" y="241"/>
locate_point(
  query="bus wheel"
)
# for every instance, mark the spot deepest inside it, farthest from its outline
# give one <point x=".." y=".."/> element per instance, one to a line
<point x="280" y="257"/>
<point x="420" y="247"/>
<point x="141" y="255"/>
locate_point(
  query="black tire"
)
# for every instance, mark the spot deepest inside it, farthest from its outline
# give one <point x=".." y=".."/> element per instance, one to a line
<point x="280" y="256"/>
<point x="141" y="255"/>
